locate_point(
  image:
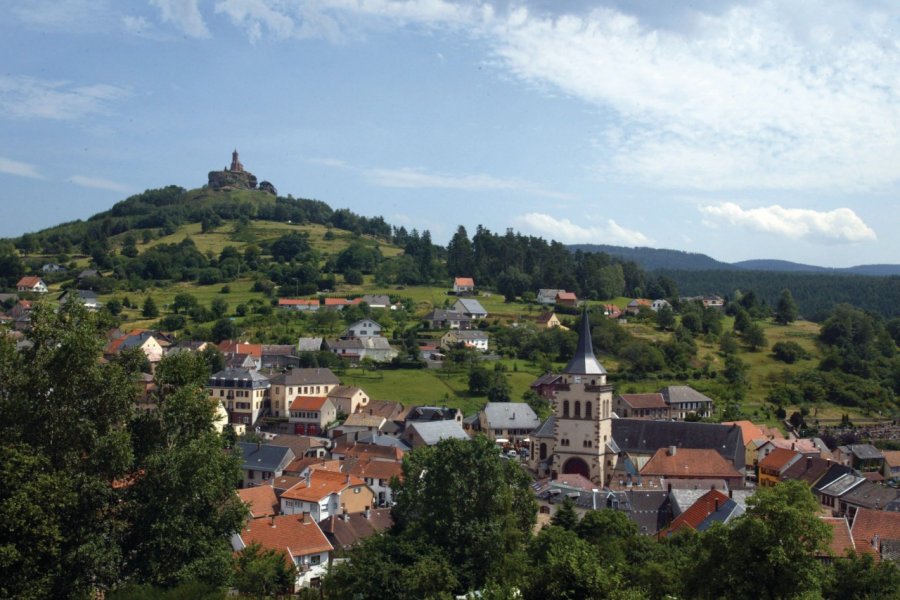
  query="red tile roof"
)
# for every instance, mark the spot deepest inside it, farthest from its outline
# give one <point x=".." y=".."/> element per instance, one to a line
<point x="29" y="282"/>
<point x="778" y="459"/>
<point x="841" y="540"/>
<point x="369" y="452"/>
<point x="261" y="499"/>
<point x="749" y="430"/>
<point x="644" y="400"/>
<point x="566" y="296"/>
<point x="308" y="402"/>
<point x="464" y="281"/>
<point x="321" y="484"/>
<point x="297" y="302"/>
<point x="871" y="527"/>
<point x="377" y="469"/>
<point x="892" y="457"/>
<point x="287" y="533"/>
<point x="707" y="504"/>
<point x="342" y="301"/>
<point x="689" y="462"/>
<point x="232" y="347"/>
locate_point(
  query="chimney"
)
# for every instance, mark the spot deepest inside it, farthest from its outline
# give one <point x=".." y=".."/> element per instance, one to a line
<point x="673" y="450"/>
<point x="717" y="504"/>
<point x="344" y="515"/>
<point x="808" y="463"/>
<point x="366" y="512"/>
<point x="304" y="518"/>
<point x="730" y="493"/>
<point x="272" y="521"/>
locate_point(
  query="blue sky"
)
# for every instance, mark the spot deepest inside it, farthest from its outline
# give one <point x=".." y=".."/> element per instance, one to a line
<point x="740" y="130"/>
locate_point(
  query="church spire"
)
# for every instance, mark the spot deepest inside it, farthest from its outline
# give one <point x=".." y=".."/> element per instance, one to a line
<point x="584" y="362"/>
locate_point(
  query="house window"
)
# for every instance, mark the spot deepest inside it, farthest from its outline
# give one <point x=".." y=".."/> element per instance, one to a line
<point x="315" y="559"/>
<point x="565" y="409"/>
<point x="356" y="490"/>
<point x="577" y="409"/>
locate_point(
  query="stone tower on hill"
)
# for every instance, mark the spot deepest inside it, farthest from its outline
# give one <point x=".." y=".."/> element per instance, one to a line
<point x="236" y="178"/>
<point x="583" y="411"/>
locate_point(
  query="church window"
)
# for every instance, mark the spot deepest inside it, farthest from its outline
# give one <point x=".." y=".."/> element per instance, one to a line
<point x="577" y="409"/>
<point x="565" y="409"/>
<point x="543" y="451"/>
<point x="587" y="410"/>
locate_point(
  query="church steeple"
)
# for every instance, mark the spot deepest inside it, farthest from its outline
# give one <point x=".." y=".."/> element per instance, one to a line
<point x="236" y="166"/>
<point x="584" y="362"/>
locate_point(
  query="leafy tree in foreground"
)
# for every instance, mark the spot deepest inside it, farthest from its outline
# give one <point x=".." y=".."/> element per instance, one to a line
<point x="263" y="572"/>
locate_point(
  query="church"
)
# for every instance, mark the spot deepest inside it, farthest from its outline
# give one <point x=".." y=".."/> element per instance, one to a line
<point x="582" y="428"/>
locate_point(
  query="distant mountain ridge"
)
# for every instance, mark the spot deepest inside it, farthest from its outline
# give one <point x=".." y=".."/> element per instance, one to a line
<point x="654" y="259"/>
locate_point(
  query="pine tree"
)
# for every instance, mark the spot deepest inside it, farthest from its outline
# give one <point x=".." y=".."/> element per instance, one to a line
<point x="786" y="310"/>
<point x="150" y="310"/>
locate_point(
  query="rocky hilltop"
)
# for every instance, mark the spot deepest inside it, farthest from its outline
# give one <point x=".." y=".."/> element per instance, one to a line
<point x="236" y="178"/>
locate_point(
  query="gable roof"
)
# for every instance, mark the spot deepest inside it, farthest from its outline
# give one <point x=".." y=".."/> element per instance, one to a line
<point x="364" y="420"/>
<point x="433" y="432"/>
<point x="464" y="281"/>
<point x="377" y="469"/>
<point x="689" y="462"/>
<point x="308" y="403"/>
<point x="863" y="451"/>
<point x="779" y="458"/>
<point x="291" y="534"/>
<point x="510" y="415"/>
<point x="263" y="457"/>
<point x="317" y="376"/>
<point x="871" y="527"/>
<point x="346" y="530"/>
<point x="261" y="499"/>
<point x="545" y="429"/>
<point x="749" y="430"/>
<point x="440" y="314"/>
<point x="298" y="302"/>
<point x="642" y="436"/>
<point x="678" y="394"/>
<point x="694" y="517"/>
<point x="871" y="495"/>
<point x="367" y="452"/>
<point x="344" y="391"/>
<point x="561" y="295"/>
<point x="233" y="347"/>
<point x="29" y="281"/>
<point x="321" y="483"/>
<point x="841" y="540"/>
<point x="644" y="400"/>
<point x="376" y="300"/>
<point x="309" y="344"/>
<point x="467" y="334"/>
<point x="471" y="306"/>
<point x="808" y="469"/>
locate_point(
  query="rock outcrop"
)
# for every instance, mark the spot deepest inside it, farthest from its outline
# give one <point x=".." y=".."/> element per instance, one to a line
<point x="236" y="178"/>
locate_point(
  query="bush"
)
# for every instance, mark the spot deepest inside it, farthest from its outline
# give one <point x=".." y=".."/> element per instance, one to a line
<point x="789" y="352"/>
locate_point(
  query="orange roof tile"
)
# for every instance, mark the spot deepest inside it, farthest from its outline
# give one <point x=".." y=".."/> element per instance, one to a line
<point x="232" y="347"/>
<point x="321" y="484"/>
<point x="778" y="459"/>
<point x="308" y="402"/>
<point x="377" y="469"/>
<point x="369" y="452"/>
<point x="689" y="462"/>
<point x="707" y="504"/>
<point x="644" y="400"/>
<point x="297" y="302"/>
<point x="871" y="527"/>
<point x="892" y="457"/>
<point x="261" y="499"/>
<point x="841" y="540"/>
<point x="28" y="282"/>
<point x="566" y="296"/>
<point x="464" y="281"/>
<point x="287" y="533"/>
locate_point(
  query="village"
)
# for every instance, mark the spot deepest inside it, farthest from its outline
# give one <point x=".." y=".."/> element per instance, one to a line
<point x="319" y="458"/>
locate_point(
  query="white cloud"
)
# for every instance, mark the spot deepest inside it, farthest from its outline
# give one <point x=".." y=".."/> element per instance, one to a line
<point x="417" y="178"/>
<point x="335" y="163"/>
<point x="564" y="230"/>
<point x="29" y="97"/>
<point x="98" y="183"/>
<point x="184" y="15"/>
<point x="841" y="225"/>
<point x="68" y="15"/>
<point x="20" y="169"/>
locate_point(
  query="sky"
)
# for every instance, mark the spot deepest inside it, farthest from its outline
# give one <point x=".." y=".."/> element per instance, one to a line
<point x="739" y="130"/>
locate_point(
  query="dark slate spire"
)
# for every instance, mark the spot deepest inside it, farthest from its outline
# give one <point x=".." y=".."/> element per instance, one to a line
<point x="584" y="362"/>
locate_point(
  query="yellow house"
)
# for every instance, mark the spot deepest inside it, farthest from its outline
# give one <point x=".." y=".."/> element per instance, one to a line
<point x="773" y="465"/>
<point x="549" y="320"/>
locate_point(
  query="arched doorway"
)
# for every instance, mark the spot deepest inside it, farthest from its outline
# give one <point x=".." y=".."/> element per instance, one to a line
<point x="576" y="466"/>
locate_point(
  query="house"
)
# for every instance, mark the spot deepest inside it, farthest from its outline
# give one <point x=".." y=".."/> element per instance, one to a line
<point x="874" y="531"/>
<point x="434" y="413"/>
<point x="378" y="475"/>
<point x="634" y="307"/>
<point x="891" y="464"/>
<point x="260" y="500"/>
<point x="749" y="433"/>
<point x="713" y="507"/>
<point x="88" y="274"/>
<point x="348" y="399"/>
<point x="862" y="457"/>
<point x="362" y="328"/>
<point x="260" y="462"/>
<point x="20" y="314"/>
<point x="278" y="356"/>
<point x="366" y="452"/>
<point x="447" y="319"/>
<point x="309" y="344"/>
<point x="512" y="421"/>
<point x="359" y="422"/>
<point x="378" y="301"/>
<point x="53" y="268"/>
<point x="340" y="303"/>
<point x="311" y="414"/>
<point x="547" y="295"/>
<point x="658" y="304"/>
<point x="684" y="400"/>
<point x="809" y="470"/>
<point x="429" y="433"/>
<point x="470" y="307"/>
<point x="299" y="537"/>
<point x="243" y="391"/>
<point x="641" y="406"/>
<point x="775" y="464"/>
<point x="837" y="481"/>
<point x="841" y="540"/>
<point x="692" y="463"/>
<point x="299" y="382"/>
<point x="346" y="530"/>
<point x="806" y="447"/>
<point x="35" y="285"/>
<point x="299" y="304"/>
<point x="568" y="299"/>
<point x="549" y="320"/>
<point x="146" y="341"/>
<point x="463" y="285"/>
<point x="376" y="348"/>
<point x="868" y="495"/>
<point x="471" y="339"/>
<point x="323" y="493"/>
<point x="545" y="385"/>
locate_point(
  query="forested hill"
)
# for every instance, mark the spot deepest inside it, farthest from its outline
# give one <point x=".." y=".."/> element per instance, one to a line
<point x="657" y="258"/>
<point x="815" y="293"/>
<point x="654" y="259"/>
